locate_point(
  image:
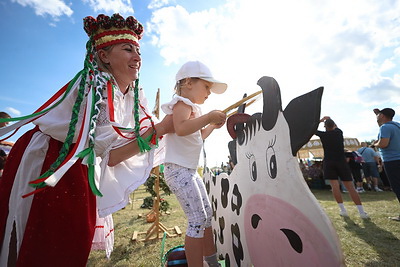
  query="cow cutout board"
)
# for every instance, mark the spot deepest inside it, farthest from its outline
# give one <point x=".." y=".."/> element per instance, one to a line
<point x="264" y="213"/>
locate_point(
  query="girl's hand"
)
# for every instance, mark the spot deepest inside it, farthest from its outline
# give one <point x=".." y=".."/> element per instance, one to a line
<point x="217" y="118"/>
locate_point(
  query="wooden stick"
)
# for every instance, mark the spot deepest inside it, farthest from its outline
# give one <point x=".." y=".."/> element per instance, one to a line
<point x="237" y="104"/>
<point x="247" y="104"/>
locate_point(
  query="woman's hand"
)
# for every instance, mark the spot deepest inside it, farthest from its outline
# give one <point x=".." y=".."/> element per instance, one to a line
<point x="165" y="126"/>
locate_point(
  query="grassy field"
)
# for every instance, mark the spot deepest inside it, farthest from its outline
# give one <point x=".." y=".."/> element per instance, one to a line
<point x="374" y="242"/>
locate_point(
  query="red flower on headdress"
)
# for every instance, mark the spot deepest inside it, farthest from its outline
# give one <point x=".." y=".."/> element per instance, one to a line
<point x="118" y="21"/>
<point x="132" y="23"/>
<point x="104" y="21"/>
<point x="90" y="25"/>
<point x="139" y="30"/>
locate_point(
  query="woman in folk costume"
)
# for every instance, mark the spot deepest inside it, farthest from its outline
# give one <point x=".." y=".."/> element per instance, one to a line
<point x="49" y="187"/>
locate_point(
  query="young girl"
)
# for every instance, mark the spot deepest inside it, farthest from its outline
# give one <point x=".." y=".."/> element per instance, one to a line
<point x="194" y="84"/>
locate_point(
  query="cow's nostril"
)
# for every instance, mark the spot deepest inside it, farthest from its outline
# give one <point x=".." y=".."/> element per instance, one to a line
<point x="294" y="239"/>
<point x="255" y="220"/>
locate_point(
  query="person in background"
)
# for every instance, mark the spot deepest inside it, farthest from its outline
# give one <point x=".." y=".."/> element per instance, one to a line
<point x="382" y="173"/>
<point x="388" y="144"/>
<point x="335" y="166"/>
<point x="194" y="84"/>
<point x="49" y="192"/>
<point x="370" y="166"/>
<point x="355" y="169"/>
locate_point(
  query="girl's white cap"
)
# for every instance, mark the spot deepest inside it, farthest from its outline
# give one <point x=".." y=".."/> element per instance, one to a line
<point x="196" y="69"/>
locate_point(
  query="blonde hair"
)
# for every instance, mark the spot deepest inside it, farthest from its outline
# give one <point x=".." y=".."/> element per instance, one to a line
<point x="100" y="64"/>
<point x="181" y="84"/>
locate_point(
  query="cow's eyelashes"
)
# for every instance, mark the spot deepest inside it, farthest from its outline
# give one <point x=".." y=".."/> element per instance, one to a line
<point x="252" y="166"/>
<point x="272" y="142"/>
<point x="272" y="168"/>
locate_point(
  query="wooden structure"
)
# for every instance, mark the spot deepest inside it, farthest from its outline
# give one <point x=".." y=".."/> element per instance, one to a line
<point x="157" y="229"/>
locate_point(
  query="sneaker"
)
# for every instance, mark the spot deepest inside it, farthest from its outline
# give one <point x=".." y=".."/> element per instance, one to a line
<point x="364" y="215"/>
<point x="397" y="218"/>
<point x="344" y="214"/>
<point x="345" y="191"/>
<point x="377" y="189"/>
<point x="360" y="190"/>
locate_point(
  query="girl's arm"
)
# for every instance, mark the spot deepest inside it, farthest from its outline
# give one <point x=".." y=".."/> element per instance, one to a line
<point x="205" y="132"/>
<point x="124" y="152"/>
<point x="185" y="124"/>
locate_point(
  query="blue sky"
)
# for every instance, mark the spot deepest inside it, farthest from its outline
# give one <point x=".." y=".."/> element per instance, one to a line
<point x="349" y="47"/>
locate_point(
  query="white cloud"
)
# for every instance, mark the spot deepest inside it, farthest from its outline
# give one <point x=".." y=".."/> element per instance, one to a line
<point x="347" y="47"/>
<point x="157" y="4"/>
<point x="388" y="64"/>
<point x="114" y="6"/>
<point x="13" y="111"/>
<point x="54" y="8"/>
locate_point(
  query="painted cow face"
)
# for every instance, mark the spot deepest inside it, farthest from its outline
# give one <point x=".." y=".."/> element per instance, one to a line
<point x="264" y="211"/>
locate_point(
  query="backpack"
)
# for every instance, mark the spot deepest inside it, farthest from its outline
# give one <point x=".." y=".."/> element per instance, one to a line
<point x="357" y="157"/>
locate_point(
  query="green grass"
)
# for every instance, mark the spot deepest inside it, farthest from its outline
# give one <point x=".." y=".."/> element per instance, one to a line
<point x="374" y="242"/>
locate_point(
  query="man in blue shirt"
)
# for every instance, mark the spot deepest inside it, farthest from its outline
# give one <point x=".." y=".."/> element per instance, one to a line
<point x="370" y="166"/>
<point x="389" y="145"/>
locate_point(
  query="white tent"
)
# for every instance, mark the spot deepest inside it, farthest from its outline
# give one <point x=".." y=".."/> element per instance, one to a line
<point x="314" y="149"/>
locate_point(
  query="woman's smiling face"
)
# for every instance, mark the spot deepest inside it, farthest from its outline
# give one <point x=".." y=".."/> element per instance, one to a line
<point x="124" y="62"/>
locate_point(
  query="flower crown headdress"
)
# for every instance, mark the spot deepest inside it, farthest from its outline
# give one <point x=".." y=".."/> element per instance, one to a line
<point x="106" y="31"/>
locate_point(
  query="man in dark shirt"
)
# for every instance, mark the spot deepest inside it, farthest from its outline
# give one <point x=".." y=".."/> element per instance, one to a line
<point x="335" y="166"/>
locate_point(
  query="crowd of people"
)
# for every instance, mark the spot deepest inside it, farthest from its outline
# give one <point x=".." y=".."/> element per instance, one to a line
<point x="372" y="167"/>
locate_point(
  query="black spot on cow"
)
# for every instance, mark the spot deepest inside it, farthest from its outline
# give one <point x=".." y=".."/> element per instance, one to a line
<point x="227" y="260"/>
<point x="236" y="200"/>
<point x="224" y="192"/>
<point x="214" y="203"/>
<point x="237" y="244"/>
<point x="221" y="223"/>
<point x="214" y="179"/>
<point x="207" y="183"/>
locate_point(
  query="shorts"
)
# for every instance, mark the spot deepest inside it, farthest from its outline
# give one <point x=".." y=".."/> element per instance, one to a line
<point x="333" y="170"/>
<point x="370" y="169"/>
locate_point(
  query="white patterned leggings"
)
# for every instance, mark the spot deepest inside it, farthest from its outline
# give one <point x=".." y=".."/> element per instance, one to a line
<point x="191" y="193"/>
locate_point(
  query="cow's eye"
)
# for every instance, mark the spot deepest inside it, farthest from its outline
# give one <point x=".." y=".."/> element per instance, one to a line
<point x="252" y="166"/>
<point x="272" y="168"/>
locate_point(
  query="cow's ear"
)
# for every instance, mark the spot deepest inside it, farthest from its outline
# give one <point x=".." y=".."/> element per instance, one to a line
<point x="303" y="115"/>
<point x="272" y="101"/>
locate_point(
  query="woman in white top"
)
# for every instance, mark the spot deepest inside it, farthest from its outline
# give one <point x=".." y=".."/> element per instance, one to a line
<point x="194" y="84"/>
<point x="49" y="185"/>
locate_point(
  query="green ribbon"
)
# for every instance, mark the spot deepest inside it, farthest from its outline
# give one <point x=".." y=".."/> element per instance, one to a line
<point x="91" y="156"/>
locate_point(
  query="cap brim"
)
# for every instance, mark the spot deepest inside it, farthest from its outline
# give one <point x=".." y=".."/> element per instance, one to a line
<point x="376" y="111"/>
<point x="217" y="87"/>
